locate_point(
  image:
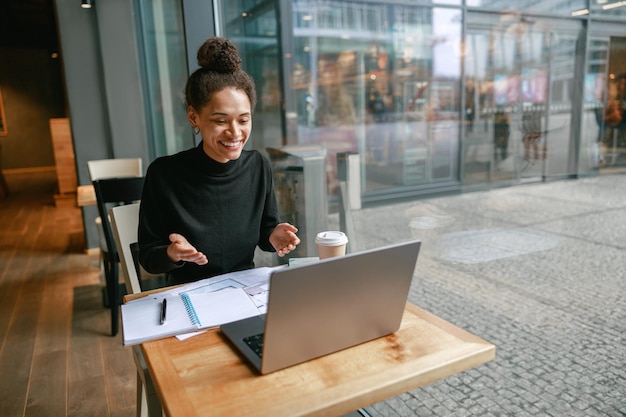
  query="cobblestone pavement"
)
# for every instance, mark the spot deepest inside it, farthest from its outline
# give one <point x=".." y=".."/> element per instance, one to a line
<point x="538" y="270"/>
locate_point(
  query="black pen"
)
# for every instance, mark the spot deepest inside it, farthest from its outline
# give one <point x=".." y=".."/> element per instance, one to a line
<point x="163" y="310"/>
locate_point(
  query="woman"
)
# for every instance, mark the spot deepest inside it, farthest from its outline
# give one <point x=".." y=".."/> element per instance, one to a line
<point x="205" y="210"/>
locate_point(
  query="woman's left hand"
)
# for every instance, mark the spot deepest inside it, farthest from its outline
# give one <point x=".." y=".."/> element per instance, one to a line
<point x="284" y="239"/>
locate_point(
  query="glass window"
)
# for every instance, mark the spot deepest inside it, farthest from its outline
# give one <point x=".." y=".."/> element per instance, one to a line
<point x="165" y="74"/>
<point x="603" y="144"/>
<point x="519" y="83"/>
<point x="596" y="133"/>
<point x="381" y="80"/>
<point x="252" y="26"/>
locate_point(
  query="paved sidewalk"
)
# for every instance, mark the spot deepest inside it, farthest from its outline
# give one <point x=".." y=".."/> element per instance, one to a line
<point x="540" y="271"/>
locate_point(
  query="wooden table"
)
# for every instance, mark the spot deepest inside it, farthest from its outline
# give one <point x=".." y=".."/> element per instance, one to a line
<point x="204" y="376"/>
<point x="85" y="196"/>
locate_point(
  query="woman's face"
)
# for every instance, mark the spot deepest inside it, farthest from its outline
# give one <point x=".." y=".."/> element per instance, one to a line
<point x="225" y="124"/>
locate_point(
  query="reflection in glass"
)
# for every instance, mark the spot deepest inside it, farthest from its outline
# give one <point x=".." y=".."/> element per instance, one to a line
<point x="593" y="140"/>
<point x="519" y="75"/>
<point x="612" y="9"/>
<point x="546" y="7"/>
<point x="385" y="85"/>
<point x="165" y="75"/>
<point x="423" y="107"/>
<point x="604" y="145"/>
<point x="252" y="26"/>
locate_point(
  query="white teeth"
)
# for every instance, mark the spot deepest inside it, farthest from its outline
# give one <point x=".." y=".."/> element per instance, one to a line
<point x="230" y="143"/>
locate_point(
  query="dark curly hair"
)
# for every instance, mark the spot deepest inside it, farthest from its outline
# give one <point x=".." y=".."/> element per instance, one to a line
<point x="220" y="67"/>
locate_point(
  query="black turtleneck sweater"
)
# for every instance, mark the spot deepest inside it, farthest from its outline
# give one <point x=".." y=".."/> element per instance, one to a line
<point x="223" y="210"/>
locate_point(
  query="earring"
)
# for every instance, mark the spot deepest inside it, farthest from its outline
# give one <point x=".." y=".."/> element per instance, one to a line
<point x="196" y="130"/>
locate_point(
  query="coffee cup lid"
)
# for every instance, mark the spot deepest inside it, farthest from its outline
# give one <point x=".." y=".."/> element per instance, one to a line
<point x="331" y="238"/>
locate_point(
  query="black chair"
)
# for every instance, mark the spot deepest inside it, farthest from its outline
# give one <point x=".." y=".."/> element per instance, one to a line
<point x="112" y="192"/>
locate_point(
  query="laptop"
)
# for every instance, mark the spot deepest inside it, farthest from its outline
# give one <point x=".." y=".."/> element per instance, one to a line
<point x="323" y="307"/>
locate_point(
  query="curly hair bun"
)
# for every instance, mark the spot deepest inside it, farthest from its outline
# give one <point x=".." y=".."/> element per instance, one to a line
<point x="219" y="55"/>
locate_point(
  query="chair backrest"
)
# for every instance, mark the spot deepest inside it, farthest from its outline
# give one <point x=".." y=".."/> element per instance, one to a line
<point x="125" y="222"/>
<point x="112" y="168"/>
<point x="115" y="168"/>
<point x="111" y="192"/>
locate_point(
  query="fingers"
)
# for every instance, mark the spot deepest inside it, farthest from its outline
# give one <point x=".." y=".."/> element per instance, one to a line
<point x="294" y="239"/>
<point x="288" y="243"/>
<point x="181" y="250"/>
<point x="177" y="238"/>
<point x="288" y="227"/>
<point x="190" y="254"/>
<point x="197" y="258"/>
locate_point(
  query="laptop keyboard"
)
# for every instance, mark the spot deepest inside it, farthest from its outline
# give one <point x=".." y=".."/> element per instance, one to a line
<point x="255" y="343"/>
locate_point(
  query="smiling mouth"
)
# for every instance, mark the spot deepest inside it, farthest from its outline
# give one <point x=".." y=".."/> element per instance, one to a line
<point x="233" y="144"/>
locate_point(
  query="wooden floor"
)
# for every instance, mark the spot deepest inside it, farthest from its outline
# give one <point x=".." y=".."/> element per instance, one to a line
<point x="56" y="355"/>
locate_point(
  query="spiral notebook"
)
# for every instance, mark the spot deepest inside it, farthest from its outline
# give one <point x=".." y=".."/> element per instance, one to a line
<point x="186" y="312"/>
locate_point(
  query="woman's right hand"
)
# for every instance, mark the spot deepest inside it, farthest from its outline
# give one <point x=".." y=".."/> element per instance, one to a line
<point x="181" y="250"/>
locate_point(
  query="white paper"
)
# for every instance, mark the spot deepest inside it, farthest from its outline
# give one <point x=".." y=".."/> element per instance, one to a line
<point x="222" y="306"/>
<point x="217" y="300"/>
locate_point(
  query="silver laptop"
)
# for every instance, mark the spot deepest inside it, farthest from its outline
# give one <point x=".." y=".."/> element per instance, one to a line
<point x="320" y="308"/>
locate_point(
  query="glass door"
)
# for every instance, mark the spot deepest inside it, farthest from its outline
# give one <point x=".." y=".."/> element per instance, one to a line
<point x="603" y="140"/>
<point x="519" y="74"/>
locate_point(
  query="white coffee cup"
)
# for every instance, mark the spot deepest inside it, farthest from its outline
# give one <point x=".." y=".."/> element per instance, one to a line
<point x="331" y="243"/>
